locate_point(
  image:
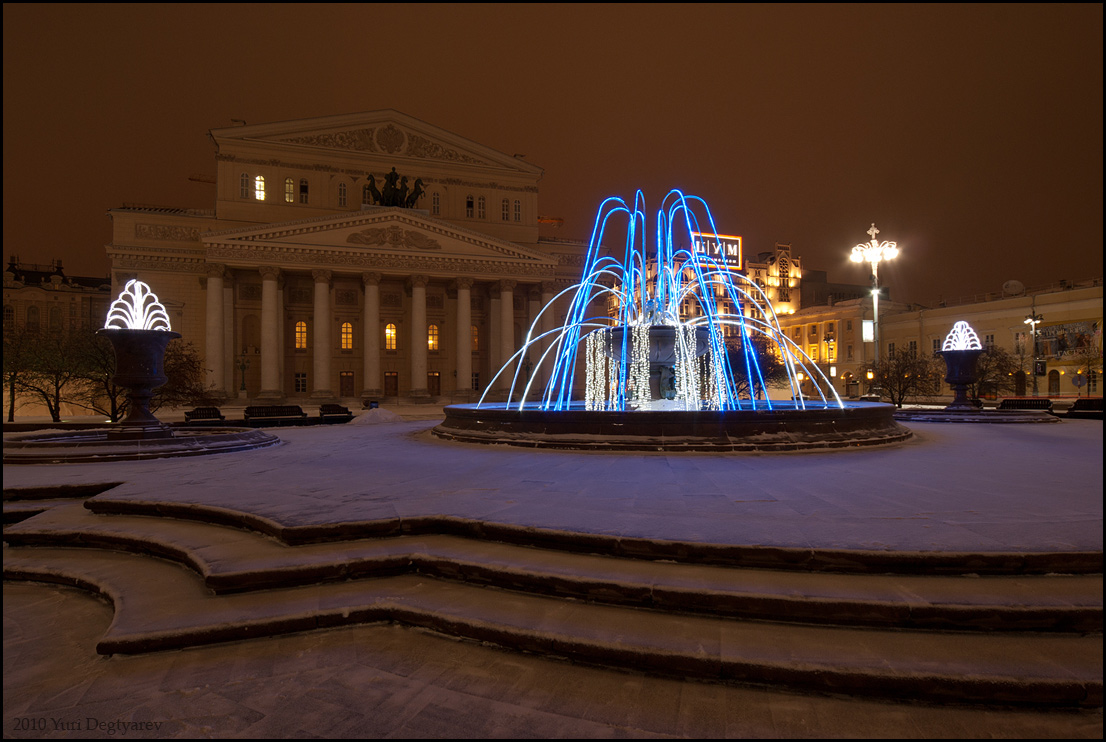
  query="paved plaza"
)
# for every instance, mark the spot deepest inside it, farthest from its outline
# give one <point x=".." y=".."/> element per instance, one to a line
<point x="953" y="489"/>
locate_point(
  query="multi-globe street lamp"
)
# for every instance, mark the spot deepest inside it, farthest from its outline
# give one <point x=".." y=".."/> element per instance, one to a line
<point x="1033" y="320"/>
<point x="873" y="252"/>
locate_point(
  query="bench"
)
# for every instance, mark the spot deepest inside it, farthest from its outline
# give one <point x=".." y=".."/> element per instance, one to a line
<point x="1026" y="403"/>
<point x="204" y="413"/>
<point x="334" y="413"/>
<point x="277" y="414"/>
<point x="1086" y="407"/>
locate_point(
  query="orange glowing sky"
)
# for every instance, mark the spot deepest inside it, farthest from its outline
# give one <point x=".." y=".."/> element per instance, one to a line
<point x="970" y="134"/>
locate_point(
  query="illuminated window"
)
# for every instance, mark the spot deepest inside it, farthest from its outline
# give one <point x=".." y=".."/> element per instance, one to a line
<point x="475" y="338"/>
<point x="468" y="206"/>
<point x="831" y="353"/>
<point x="289" y="191"/>
<point x="481" y="208"/>
<point x="814" y="331"/>
<point x="347" y="336"/>
<point x="813" y="352"/>
<point x="341" y="194"/>
<point x="432" y="337"/>
<point x="301" y="336"/>
<point x="506" y="210"/>
<point x="300" y="383"/>
<point x="390" y="337"/>
<point x="244" y="185"/>
<point x="436" y="204"/>
<point x="303" y="190"/>
<point x="518" y="211"/>
<point x="259" y="187"/>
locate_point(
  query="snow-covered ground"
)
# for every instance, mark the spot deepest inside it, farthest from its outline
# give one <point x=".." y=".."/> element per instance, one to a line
<point x="961" y="487"/>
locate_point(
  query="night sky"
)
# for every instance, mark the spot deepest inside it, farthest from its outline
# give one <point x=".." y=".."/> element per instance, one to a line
<point x="971" y="135"/>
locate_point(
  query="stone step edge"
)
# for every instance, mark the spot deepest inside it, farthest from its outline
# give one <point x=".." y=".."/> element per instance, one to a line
<point x="798" y="609"/>
<point x="766" y="557"/>
<point x="973" y="688"/>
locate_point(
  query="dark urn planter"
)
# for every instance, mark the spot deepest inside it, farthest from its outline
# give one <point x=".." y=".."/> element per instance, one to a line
<point x="960" y="374"/>
<point x="140" y="369"/>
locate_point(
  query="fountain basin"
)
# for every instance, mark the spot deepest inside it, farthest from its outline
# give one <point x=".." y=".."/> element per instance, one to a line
<point x="100" y="445"/>
<point x="784" y="428"/>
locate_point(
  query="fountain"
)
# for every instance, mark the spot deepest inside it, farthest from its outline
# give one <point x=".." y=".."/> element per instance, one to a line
<point x="138" y="328"/>
<point x="961" y="351"/>
<point x="675" y="345"/>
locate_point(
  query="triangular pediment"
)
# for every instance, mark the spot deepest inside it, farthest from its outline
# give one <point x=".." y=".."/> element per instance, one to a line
<point x="386" y="133"/>
<point x="377" y="237"/>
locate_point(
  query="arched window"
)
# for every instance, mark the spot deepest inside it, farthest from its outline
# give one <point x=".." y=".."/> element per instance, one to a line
<point x="341" y="194"/>
<point x="468" y="206"/>
<point x="303" y="190"/>
<point x="475" y="338"/>
<point x="436" y="201"/>
<point x="389" y="337"/>
<point x="244" y="185"/>
<point x="32" y="319"/>
<point x="289" y="191"/>
<point x="347" y="336"/>
<point x="55" y="318"/>
<point x="259" y="187"/>
<point x="506" y="210"/>
<point x="518" y="211"/>
<point x="301" y="335"/>
<point x="432" y="337"/>
<point x="481" y="210"/>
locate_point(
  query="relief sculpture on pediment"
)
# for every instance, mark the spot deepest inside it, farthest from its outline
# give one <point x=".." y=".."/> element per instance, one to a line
<point x="393" y="237"/>
<point x="359" y="140"/>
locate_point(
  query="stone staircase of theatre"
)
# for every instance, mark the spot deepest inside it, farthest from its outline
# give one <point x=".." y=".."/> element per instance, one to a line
<point x="1011" y="632"/>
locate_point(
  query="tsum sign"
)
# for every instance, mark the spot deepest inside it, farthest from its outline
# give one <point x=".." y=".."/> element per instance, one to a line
<point x="724" y="248"/>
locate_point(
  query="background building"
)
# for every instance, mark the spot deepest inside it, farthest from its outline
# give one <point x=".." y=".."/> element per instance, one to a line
<point x="368" y="255"/>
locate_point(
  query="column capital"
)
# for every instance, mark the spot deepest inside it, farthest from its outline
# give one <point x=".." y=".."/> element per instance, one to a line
<point x="269" y="272"/>
<point x="548" y="287"/>
<point x="370" y="278"/>
<point x="506" y="284"/>
<point x="321" y="276"/>
<point x="463" y="282"/>
<point x="215" y="270"/>
<point x="420" y="281"/>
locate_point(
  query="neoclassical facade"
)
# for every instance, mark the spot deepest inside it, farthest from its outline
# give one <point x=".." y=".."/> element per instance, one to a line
<point x="368" y="255"/>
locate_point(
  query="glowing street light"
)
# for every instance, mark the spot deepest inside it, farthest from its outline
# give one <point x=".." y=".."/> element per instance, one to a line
<point x="873" y="252"/>
<point x="1033" y="320"/>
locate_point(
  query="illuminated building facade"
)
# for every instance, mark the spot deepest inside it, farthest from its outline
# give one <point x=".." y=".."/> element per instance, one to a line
<point x="367" y="255"/>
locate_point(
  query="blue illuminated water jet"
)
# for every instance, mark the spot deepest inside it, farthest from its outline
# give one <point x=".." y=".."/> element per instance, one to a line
<point x="640" y="352"/>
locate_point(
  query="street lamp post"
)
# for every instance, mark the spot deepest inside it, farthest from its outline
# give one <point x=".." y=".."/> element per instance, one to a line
<point x="243" y="364"/>
<point x="873" y="252"/>
<point x="1033" y="319"/>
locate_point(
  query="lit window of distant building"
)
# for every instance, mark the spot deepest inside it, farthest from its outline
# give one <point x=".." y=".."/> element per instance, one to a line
<point x="432" y="337"/>
<point x="301" y="335"/>
<point x="347" y="336"/>
<point x="259" y="187"/>
<point x="289" y="191"/>
<point x="389" y="337"/>
<point x="475" y="338"/>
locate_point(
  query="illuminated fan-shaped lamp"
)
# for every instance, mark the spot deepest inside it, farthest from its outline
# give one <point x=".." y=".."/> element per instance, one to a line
<point x="961" y="351"/>
<point x="138" y="327"/>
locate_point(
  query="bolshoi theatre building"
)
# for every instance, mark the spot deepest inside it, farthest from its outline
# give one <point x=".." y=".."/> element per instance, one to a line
<point x="369" y="255"/>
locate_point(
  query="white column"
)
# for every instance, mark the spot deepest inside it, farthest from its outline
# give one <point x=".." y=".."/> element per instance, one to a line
<point x="548" y="322"/>
<point x="320" y="384"/>
<point x="464" y="337"/>
<point x="371" y="321"/>
<point x="215" y="340"/>
<point x="418" y="337"/>
<point x="506" y="329"/>
<point x="230" y="350"/>
<point x="270" y="336"/>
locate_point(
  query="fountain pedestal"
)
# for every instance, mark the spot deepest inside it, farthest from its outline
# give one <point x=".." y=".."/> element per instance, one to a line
<point x="140" y="369"/>
<point x="960" y="368"/>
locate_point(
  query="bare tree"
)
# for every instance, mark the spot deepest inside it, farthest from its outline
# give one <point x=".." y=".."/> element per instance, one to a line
<point x="995" y="371"/>
<point x="772" y="368"/>
<point x="905" y="374"/>
<point x="17" y="359"/>
<point x="54" y="368"/>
